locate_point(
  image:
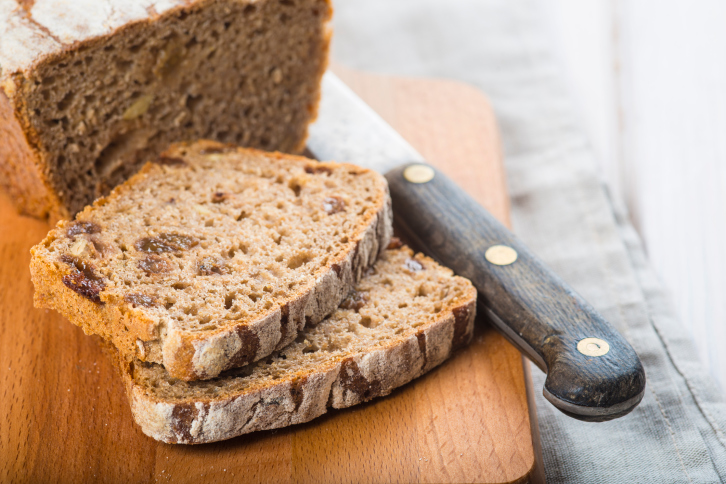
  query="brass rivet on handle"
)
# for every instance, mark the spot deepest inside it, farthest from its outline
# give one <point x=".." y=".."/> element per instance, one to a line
<point x="418" y="173"/>
<point x="501" y="255"/>
<point x="593" y="347"/>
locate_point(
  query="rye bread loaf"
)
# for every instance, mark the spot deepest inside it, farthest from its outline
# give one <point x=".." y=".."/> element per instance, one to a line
<point x="406" y="316"/>
<point x="92" y="89"/>
<point x="214" y="256"/>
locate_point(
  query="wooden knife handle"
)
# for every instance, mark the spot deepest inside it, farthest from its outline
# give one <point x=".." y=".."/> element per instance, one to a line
<point x="589" y="379"/>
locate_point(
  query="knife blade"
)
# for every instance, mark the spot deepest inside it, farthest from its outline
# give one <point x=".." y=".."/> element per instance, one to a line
<point x="593" y="373"/>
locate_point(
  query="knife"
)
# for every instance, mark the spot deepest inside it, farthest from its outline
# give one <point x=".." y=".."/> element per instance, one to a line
<point x="593" y="373"/>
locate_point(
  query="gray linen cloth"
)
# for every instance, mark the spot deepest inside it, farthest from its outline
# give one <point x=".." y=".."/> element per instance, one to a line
<point x="562" y="210"/>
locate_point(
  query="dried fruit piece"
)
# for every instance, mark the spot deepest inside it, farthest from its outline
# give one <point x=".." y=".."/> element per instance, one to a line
<point x="314" y="170"/>
<point x="355" y="301"/>
<point x="154" y="264"/>
<point x="82" y="248"/>
<point x="80" y="227"/>
<point x="201" y="209"/>
<point x="211" y="265"/>
<point x="166" y="243"/>
<point x="138" y="108"/>
<point x="333" y="205"/>
<point x="83" y="279"/>
<point x="171" y="56"/>
<point x="277" y="75"/>
<point x="395" y="243"/>
<point x="413" y="265"/>
<point x="220" y="197"/>
<point x="141" y="300"/>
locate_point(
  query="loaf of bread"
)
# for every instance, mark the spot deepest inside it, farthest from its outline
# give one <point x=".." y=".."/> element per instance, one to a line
<point x="92" y="89"/>
<point x="406" y="316"/>
<point x="214" y="256"/>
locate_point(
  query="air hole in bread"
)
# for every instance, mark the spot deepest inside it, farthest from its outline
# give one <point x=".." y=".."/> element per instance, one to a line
<point x="134" y="49"/>
<point x="192" y="310"/>
<point x="193" y="102"/>
<point x="229" y="300"/>
<point x="299" y="260"/>
<point x="66" y="101"/>
<point x="310" y="349"/>
<point x="111" y="156"/>
<point x="295" y="186"/>
<point x="366" y="321"/>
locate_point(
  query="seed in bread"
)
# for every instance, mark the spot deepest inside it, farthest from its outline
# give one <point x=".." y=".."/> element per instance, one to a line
<point x="406" y="316"/>
<point x="92" y="89"/>
<point x="217" y="259"/>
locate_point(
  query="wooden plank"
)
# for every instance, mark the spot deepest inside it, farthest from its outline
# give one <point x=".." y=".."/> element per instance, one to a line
<point x="673" y="163"/>
<point x="459" y="136"/>
<point x="64" y="416"/>
<point x="651" y="88"/>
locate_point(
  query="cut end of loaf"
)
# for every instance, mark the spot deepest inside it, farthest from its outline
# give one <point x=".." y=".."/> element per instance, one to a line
<point x="406" y="316"/>
<point x="88" y="113"/>
<point x="214" y="256"/>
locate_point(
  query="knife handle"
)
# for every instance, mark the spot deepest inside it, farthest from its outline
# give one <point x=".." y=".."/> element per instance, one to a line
<point x="593" y="373"/>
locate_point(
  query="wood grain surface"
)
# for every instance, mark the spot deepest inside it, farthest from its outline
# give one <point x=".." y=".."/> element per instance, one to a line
<point x="665" y="160"/>
<point x="64" y="416"/>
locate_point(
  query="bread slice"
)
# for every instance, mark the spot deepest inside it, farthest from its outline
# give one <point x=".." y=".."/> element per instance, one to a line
<point x="90" y="90"/>
<point x="406" y="316"/>
<point x="214" y="256"/>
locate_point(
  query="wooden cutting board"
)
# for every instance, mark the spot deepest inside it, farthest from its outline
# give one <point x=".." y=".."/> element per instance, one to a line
<point x="64" y="416"/>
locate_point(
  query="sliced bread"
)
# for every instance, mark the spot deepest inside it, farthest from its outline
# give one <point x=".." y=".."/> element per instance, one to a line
<point x="92" y="89"/>
<point x="214" y="256"/>
<point x="406" y="316"/>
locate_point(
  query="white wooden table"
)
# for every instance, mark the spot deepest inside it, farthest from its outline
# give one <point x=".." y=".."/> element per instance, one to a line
<point x="650" y="81"/>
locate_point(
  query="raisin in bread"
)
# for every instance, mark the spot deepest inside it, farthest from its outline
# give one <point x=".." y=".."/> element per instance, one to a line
<point x="406" y="316"/>
<point x="91" y="89"/>
<point x="214" y="256"/>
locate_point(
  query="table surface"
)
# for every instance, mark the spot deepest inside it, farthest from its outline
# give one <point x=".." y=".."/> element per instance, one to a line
<point x="65" y="417"/>
<point x="650" y="83"/>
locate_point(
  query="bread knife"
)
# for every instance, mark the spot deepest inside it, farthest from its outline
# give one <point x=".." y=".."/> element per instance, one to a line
<point x="593" y="373"/>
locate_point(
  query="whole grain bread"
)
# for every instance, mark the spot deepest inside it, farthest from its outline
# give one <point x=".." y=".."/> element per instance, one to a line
<point x="91" y="89"/>
<point x="214" y="256"/>
<point x="406" y="316"/>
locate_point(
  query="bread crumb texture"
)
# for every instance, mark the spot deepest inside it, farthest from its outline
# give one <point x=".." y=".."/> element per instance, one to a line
<point x="92" y="89"/>
<point x="214" y="256"/>
<point x="406" y="316"/>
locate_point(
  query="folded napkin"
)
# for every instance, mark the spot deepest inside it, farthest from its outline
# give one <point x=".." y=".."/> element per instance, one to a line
<point x="563" y="211"/>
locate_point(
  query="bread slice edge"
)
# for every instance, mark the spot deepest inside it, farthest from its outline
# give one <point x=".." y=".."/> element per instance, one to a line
<point x="344" y="383"/>
<point x="186" y="355"/>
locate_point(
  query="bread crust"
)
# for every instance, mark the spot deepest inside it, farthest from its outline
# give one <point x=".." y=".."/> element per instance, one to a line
<point x="33" y="42"/>
<point x="188" y="355"/>
<point x="23" y="163"/>
<point x="344" y="383"/>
